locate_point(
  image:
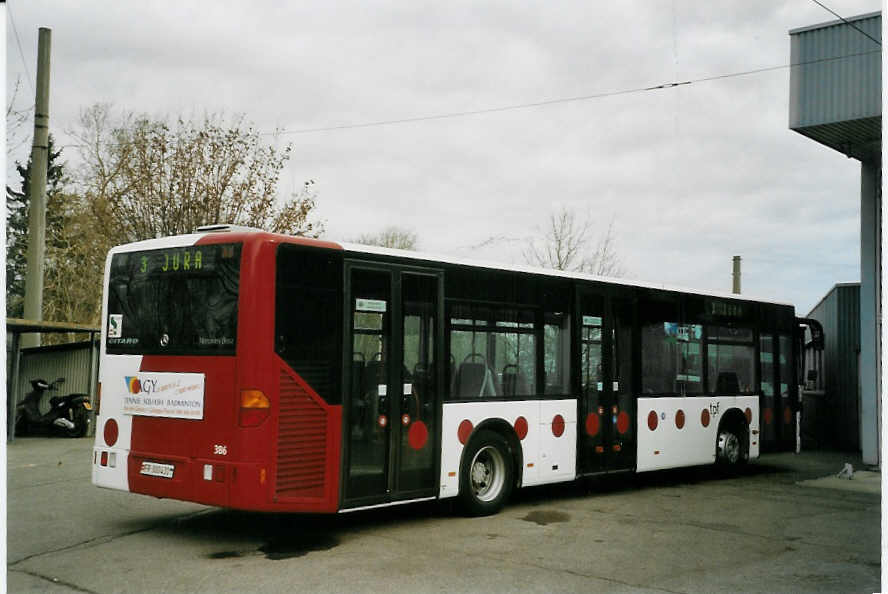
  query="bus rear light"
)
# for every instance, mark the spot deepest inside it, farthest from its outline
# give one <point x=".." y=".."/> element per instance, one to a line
<point x="254" y="408"/>
<point x="104" y="459"/>
<point x="112" y="460"/>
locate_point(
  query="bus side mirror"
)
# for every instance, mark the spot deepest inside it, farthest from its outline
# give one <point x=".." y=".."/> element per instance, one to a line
<point x="816" y="330"/>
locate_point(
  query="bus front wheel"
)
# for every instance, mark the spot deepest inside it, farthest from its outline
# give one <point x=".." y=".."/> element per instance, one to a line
<point x="487" y="474"/>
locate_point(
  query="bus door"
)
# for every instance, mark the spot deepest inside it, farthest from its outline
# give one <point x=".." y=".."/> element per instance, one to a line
<point x="607" y="408"/>
<point x="391" y="414"/>
<point x="787" y="403"/>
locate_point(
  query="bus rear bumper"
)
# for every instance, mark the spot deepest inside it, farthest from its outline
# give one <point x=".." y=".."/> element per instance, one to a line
<point x="241" y="485"/>
<point x="109" y="468"/>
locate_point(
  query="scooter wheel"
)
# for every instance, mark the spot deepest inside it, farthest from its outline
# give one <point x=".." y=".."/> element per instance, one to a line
<point x="81" y="422"/>
<point x="21" y="427"/>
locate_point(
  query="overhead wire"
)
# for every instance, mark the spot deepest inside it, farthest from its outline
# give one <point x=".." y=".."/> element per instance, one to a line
<point x="546" y="102"/>
<point x="19" y="43"/>
<point x="846" y="21"/>
<point x="459" y="114"/>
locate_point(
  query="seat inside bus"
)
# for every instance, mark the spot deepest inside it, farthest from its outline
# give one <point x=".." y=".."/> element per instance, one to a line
<point x="514" y="382"/>
<point x="727" y="383"/>
<point x="474" y="380"/>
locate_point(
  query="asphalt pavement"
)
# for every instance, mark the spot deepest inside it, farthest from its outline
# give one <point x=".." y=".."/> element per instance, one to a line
<point x="773" y="528"/>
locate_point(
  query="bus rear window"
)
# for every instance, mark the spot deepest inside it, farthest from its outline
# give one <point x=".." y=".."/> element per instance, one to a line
<point x="175" y="301"/>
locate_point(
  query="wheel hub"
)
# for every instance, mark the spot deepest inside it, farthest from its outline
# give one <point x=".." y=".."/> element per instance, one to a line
<point x="729" y="446"/>
<point x="487" y="473"/>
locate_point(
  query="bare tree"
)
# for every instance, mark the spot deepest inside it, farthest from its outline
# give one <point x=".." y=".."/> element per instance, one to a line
<point x="390" y="237"/>
<point x="565" y="245"/>
<point x="16" y="118"/>
<point x="145" y="178"/>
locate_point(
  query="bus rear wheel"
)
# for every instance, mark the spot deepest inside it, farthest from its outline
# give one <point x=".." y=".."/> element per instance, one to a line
<point x="729" y="450"/>
<point x="487" y="474"/>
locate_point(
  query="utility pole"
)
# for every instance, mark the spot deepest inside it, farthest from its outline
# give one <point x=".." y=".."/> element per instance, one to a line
<point x="37" y="191"/>
<point x="736" y="275"/>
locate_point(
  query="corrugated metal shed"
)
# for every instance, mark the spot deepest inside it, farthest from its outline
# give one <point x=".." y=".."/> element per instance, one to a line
<point x="836" y="88"/>
<point x="838" y="411"/>
<point x="71" y="361"/>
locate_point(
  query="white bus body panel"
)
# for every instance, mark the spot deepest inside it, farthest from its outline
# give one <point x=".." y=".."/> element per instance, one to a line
<point x="546" y="458"/>
<point x="113" y="371"/>
<point x="667" y="446"/>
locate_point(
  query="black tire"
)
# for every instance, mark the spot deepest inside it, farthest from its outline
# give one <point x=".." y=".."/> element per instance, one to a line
<point x="81" y="421"/>
<point x="731" y="451"/>
<point x="487" y="474"/>
<point x="21" y="426"/>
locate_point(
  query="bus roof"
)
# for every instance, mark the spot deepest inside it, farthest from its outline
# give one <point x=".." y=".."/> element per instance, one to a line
<point x="243" y="234"/>
<point x="450" y="259"/>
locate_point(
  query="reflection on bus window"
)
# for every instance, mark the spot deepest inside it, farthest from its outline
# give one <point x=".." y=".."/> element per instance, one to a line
<point x="492" y="352"/>
<point x="671" y="358"/>
<point x="556" y="356"/>
<point x="593" y="377"/>
<point x="766" y="356"/>
<point x="731" y="356"/>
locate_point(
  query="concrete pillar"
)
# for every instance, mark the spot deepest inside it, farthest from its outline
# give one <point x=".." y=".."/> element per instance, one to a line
<point x="870" y="310"/>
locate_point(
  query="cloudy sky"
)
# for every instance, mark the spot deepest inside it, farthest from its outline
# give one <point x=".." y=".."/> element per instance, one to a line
<point x="690" y="175"/>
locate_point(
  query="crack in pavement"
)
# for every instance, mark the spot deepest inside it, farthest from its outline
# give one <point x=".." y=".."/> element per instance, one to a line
<point x="489" y="557"/>
<point x="54" y="580"/>
<point x="104" y="539"/>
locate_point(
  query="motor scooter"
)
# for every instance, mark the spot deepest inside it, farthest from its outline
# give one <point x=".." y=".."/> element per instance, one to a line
<point x="67" y="415"/>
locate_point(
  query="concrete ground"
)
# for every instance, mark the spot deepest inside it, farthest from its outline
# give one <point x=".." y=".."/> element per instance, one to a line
<point x="688" y="530"/>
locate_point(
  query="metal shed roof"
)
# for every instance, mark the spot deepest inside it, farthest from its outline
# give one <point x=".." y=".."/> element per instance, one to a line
<point x="836" y="85"/>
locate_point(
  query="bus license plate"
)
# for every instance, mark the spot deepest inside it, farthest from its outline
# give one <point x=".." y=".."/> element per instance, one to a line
<point x="157" y="469"/>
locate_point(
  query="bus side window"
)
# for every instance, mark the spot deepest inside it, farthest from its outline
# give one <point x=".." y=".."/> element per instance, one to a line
<point x="731" y="360"/>
<point x="556" y="353"/>
<point x="493" y="351"/>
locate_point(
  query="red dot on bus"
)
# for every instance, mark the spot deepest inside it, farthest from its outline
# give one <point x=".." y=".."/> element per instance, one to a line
<point x="418" y="435"/>
<point x="704" y="417"/>
<point x="680" y="419"/>
<point x="521" y="427"/>
<point x="749" y="415"/>
<point x="464" y="431"/>
<point x="652" y="420"/>
<point x="623" y="422"/>
<point x="787" y="415"/>
<point x="593" y="424"/>
<point x="558" y="426"/>
<point x="769" y="416"/>
<point x="111" y="432"/>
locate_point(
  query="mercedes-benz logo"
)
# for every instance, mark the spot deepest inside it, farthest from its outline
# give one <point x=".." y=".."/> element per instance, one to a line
<point x="164" y="340"/>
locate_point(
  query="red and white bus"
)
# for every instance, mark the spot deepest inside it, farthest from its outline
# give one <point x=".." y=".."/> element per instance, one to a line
<point x="257" y="371"/>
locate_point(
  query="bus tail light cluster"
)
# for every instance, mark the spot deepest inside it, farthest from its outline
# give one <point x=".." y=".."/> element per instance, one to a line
<point x="254" y="408"/>
<point x="106" y="459"/>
